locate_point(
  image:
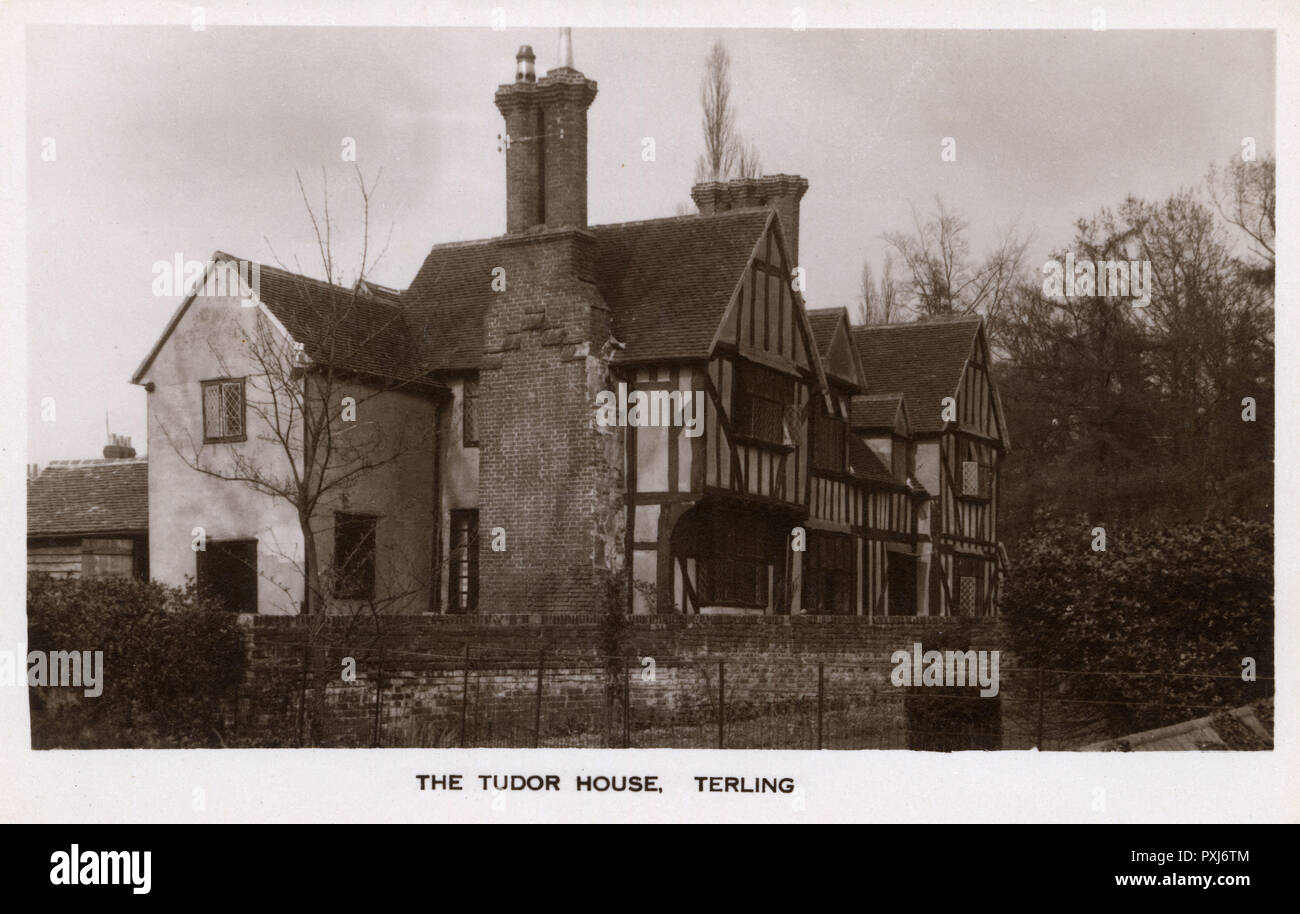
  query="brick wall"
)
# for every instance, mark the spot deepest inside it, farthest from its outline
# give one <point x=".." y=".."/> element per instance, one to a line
<point x="545" y="474"/>
<point x="770" y="662"/>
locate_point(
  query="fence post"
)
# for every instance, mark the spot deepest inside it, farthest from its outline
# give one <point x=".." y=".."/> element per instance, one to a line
<point x="302" y="688"/>
<point x="627" y="704"/>
<point x="722" y="704"/>
<point x="1042" y="690"/>
<point x="537" y="713"/>
<point x="235" y="722"/>
<point x="464" y="698"/>
<point x="379" y="701"/>
<point x="821" y="701"/>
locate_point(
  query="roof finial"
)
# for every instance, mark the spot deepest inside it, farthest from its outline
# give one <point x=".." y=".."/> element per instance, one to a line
<point x="566" y="48"/>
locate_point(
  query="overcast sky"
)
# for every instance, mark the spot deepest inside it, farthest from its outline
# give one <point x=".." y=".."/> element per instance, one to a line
<point x="175" y="142"/>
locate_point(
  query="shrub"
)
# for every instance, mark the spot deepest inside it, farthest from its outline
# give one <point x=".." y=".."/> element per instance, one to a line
<point x="172" y="664"/>
<point x="1166" y="601"/>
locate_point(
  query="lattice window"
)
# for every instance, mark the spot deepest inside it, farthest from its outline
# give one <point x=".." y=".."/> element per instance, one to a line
<point x="734" y="570"/>
<point x="469" y="414"/>
<point x="976" y="479"/>
<point x="464" y="562"/>
<point x="829" y="566"/>
<point x="761" y="398"/>
<point x="967" y="599"/>
<point x="223" y="410"/>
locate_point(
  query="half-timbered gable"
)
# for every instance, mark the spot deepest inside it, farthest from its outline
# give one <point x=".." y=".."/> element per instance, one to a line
<point x="831" y="565"/>
<point x="938" y="371"/>
<point x="710" y="515"/>
<point x="885" y="511"/>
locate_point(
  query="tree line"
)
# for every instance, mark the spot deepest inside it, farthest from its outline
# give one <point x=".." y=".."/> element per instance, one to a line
<point x="1121" y="411"/>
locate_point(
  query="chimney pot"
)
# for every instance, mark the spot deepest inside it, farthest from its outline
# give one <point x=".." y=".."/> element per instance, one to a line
<point x="565" y="55"/>
<point x="525" y="68"/>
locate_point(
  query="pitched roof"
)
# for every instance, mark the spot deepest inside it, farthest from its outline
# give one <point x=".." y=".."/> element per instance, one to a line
<point x="864" y="463"/>
<point x="823" y="322"/>
<point x="1245" y="728"/>
<point x="923" y="361"/>
<point x="361" y="330"/>
<point x="447" y="302"/>
<point x="89" y="496"/>
<point x="874" y="411"/>
<point x="832" y="334"/>
<point x="667" y="283"/>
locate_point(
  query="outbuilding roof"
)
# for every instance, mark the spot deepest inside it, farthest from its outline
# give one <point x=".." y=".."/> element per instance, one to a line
<point x="75" y="497"/>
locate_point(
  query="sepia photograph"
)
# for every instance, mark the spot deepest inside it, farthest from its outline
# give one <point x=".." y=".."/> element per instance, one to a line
<point x="494" y="419"/>
<point x="499" y="381"/>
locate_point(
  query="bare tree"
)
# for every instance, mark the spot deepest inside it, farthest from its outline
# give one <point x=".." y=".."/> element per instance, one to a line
<point x="748" y="163"/>
<point x="877" y="302"/>
<point x="942" y="276"/>
<point x="726" y="153"/>
<point x="327" y="370"/>
<point x="1245" y="196"/>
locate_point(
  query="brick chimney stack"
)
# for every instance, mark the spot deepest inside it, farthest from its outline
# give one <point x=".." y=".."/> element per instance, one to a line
<point x="545" y="471"/>
<point x="119" y="448"/>
<point x="780" y="192"/>
<point x="518" y="104"/>
<point x="546" y="152"/>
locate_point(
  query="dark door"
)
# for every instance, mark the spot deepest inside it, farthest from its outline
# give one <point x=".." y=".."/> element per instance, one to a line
<point x="227" y="571"/>
<point x="902" y="584"/>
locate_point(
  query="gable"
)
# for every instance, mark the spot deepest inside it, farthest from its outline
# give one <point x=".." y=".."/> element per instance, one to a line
<point x="833" y="334"/>
<point x="670" y="282"/>
<point x="979" y="409"/>
<point x="766" y="320"/>
<point x="362" y="330"/>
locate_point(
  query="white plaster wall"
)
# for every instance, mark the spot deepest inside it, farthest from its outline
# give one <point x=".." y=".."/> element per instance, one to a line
<point x="927" y="465"/>
<point x="210" y="341"/>
<point x="399" y="492"/>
